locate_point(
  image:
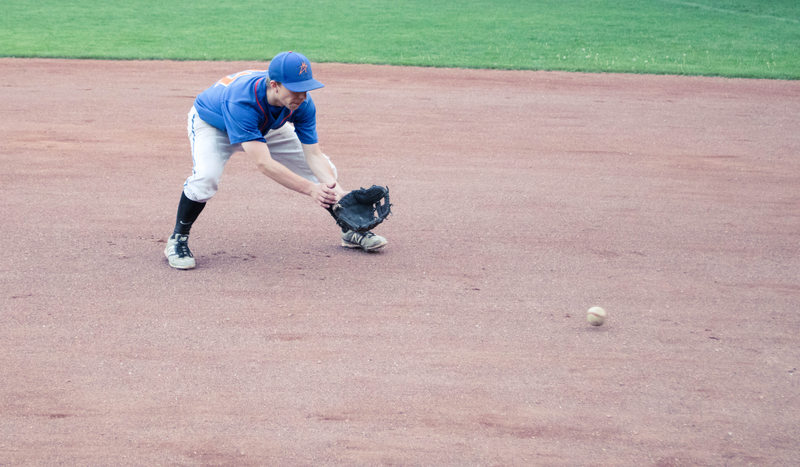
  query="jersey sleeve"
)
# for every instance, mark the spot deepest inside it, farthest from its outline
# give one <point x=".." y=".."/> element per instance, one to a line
<point x="305" y="123"/>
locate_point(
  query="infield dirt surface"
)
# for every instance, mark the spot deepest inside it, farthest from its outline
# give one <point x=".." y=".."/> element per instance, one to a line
<point x="520" y="200"/>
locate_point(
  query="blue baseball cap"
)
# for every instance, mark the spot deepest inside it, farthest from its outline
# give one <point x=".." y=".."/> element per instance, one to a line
<point x="293" y="70"/>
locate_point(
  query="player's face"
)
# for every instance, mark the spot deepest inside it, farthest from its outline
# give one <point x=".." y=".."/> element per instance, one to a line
<point x="290" y="99"/>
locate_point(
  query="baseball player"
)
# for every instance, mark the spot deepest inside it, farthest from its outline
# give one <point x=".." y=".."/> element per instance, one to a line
<point x="270" y="116"/>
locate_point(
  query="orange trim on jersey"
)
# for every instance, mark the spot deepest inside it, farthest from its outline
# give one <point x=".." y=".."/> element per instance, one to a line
<point x="287" y="117"/>
<point x="255" y="92"/>
<point x="266" y="117"/>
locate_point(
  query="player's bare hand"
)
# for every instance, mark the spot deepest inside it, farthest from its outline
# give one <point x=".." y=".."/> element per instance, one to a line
<point x="324" y="194"/>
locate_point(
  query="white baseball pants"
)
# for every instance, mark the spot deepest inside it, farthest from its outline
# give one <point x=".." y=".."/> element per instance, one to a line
<point x="211" y="150"/>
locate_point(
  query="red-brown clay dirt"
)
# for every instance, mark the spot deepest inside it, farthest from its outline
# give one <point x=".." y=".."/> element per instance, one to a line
<point x="521" y="199"/>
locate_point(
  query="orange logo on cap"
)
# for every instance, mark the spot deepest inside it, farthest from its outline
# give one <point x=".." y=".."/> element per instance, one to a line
<point x="303" y="68"/>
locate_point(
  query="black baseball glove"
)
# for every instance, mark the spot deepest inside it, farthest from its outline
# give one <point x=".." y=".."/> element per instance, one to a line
<point x="362" y="209"/>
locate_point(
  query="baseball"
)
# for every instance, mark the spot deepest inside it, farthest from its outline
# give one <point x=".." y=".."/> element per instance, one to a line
<point x="596" y="316"/>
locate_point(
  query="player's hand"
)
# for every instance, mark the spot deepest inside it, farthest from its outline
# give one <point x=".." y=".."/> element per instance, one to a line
<point x="324" y="194"/>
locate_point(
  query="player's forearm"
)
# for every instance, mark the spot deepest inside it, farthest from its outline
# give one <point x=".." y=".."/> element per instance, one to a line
<point x="324" y="173"/>
<point x="275" y="170"/>
<point x="321" y="168"/>
<point x="285" y="177"/>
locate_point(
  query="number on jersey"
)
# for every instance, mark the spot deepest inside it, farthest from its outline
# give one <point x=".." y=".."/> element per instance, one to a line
<point x="226" y="81"/>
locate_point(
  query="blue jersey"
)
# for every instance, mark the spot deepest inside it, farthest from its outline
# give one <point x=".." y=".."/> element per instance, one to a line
<point x="237" y="105"/>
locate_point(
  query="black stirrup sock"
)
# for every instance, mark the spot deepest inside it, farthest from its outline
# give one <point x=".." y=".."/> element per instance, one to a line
<point x="188" y="211"/>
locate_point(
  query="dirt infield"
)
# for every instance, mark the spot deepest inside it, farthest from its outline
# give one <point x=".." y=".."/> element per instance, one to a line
<point x="671" y="201"/>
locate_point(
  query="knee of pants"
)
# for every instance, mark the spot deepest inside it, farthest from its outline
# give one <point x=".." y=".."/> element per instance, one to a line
<point x="200" y="189"/>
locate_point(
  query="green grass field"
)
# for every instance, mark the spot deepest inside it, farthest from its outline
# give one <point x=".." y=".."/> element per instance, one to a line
<point x="734" y="38"/>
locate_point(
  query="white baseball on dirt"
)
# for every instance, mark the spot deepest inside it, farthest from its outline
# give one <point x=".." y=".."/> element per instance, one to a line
<point x="596" y="316"/>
